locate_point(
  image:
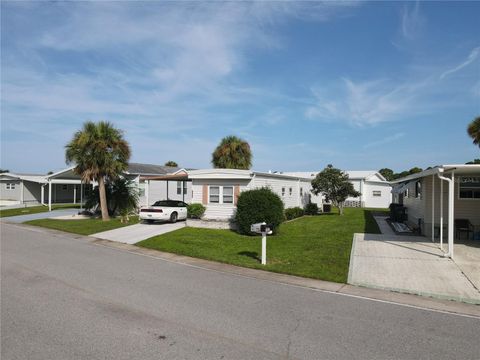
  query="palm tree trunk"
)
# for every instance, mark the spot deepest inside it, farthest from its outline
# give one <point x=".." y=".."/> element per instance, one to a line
<point x="103" y="199"/>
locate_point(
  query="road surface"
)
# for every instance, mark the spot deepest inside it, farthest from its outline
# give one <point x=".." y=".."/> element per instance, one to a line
<point x="64" y="297"/>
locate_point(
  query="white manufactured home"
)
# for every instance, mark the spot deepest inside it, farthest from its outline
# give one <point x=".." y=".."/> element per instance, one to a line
<point x="375" y="189"/>
<point x="218" y="189"/>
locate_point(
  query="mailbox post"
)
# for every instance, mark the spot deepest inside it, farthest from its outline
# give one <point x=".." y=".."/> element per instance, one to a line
<point x="264" y="229"/>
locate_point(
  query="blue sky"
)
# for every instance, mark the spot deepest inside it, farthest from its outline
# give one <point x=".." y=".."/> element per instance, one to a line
<point x="361" y="85"/>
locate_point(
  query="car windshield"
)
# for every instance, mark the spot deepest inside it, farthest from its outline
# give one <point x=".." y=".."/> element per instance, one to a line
<point x="169" y="203"/>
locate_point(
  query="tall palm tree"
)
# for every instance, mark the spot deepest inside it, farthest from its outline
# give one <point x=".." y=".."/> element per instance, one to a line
<point x="232" y="153"/>
<point x="99" y="151"/>
<point x="474" y="130"/>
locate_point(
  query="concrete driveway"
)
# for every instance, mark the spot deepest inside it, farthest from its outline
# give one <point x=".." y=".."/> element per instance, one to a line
<point x="138" y="232"/>
<point x="414" y="264"/>
<point x="43" y="215"/>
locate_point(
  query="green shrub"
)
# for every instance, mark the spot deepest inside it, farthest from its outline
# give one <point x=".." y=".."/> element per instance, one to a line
<point x="311" y="209"/>
<point x="256" y="206"/>
<point x="195" y="211"/>
<point x="293" y="213"/>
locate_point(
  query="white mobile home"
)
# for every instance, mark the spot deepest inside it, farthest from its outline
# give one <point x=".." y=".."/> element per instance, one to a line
<point x="375" y="189"/>
<point x="218" y="189"/>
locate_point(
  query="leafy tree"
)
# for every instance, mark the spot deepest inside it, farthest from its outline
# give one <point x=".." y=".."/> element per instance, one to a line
<point x="387" y="173"/>
<point x="473" y="162"/>
<point x="171" y="163"/>
<point x="3" y="171"/>
<point x="232" y="153"/>
<point x="473" y="130"/>
<point x="99" y="152"/>
<point x="334" y="185"/>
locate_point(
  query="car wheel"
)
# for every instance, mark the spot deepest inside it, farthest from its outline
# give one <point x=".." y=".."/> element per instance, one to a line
<point x="173" y="217"/>
<point x="149" y="221"/>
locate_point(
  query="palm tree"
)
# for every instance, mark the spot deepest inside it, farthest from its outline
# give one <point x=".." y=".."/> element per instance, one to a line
<point x="232" y="153"/>
<point x="99" y="151"/>
<point x="474" y="130"/>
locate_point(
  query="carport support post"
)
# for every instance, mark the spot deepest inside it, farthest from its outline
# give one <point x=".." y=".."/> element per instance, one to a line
<point x="264" y="248"/>
<point x="49" y="195"/>
<point x="22" y="196"/>
<point x="74" y="193"/>
<point x="441" y="214"/>
<point x="433" y="208"/>
<point x="167" y="189"/>
<point x="451" y="209"/>
<point x="81" y="196"/>
<point x="42" y="194"/>
<point x="147" y="192"/>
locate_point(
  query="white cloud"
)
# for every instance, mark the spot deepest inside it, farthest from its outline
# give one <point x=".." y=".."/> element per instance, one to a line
<point x="412" y="21"/>
<point x="386" y="140"/>
<point x="470" y="59"/>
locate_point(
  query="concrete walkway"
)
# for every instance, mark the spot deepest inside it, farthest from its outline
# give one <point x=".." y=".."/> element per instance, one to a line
<point x="414" y="264"/>
<point x="43" y="215"/>
<point x="138" y="232"/>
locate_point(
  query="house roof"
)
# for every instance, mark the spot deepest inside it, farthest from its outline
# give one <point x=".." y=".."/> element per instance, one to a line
<point x="26" y="177"/>
<point x="237" y="174"/>
<point x="352" y="174"/>
<point x="150" y="169"/>
<point x="460" y="168"/>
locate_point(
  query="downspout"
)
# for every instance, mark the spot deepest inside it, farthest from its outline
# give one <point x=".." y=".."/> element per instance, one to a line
<point x="451" y="185"/>
<point x="298" y="194"/>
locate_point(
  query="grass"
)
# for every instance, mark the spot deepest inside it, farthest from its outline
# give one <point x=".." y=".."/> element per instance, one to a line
<point x="312" y="246"/>
<point x="34" y="209"/>
<point x="82" y="227"/>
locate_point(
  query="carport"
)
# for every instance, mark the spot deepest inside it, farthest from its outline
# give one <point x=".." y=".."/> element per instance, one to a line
<point x="181" y="176"/>
<point x="63" y="178"/>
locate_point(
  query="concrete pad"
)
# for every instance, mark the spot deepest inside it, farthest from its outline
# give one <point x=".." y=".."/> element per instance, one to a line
<point x="43" y="215"/>
<point x="138" y="232"/>
<point x="409" y="264"/>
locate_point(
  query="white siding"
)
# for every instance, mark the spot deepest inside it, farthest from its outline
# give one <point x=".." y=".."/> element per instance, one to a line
<point x="216" y="211"/>
<point x="371" y="201"/>
<point x="10" y="194"/>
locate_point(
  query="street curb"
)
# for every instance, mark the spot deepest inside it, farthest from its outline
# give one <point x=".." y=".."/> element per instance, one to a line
<point x="380" y="295"/>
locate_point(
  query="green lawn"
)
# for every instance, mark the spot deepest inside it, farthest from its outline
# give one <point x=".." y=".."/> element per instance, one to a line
<point x="314" y="246"/>
<point x="82" y="227"/>
<point x="34" y="209"/>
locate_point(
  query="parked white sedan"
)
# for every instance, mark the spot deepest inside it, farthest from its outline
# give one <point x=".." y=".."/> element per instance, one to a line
<point x="164" y="210"/>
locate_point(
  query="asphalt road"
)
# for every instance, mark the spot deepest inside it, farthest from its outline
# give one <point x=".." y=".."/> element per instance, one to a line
<point x="64" y="297"/>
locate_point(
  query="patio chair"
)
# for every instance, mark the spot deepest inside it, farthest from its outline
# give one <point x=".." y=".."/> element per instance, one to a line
<point x="463" y="226"/>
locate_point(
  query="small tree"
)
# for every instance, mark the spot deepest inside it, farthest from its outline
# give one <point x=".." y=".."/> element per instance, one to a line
<point x="171" y="163"/>
<point x="473" y="130"/>
<point x="473" y="162"/>
<point x="232" y="153"/>
<point x="334" y="185"/>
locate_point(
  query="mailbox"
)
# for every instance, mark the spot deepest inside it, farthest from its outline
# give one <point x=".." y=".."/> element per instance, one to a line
<point x="260" y="228"/>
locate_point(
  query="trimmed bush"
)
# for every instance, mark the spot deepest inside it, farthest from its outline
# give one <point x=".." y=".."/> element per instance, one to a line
<point x="195" y="211"/>
<point x="293" y="213"/>
<point x="258" y="205"/>
<point x="311" y="209"/>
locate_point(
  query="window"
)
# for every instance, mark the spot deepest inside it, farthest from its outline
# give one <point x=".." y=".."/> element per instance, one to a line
<point x="418" y="189"/>
<point x="64" y="187"/>
<point x="179" y="188"/>
<point x="214" y="194"/>
<point x="184" y="187"/>
<point x="376" y="193"/>
<point x="228" y="194"/>
<point x="469" y="187"/>
<point x="301" y="191"/>
<point x="283" y="191"/>
<point x="10" y="186"/>
<point x="290" y="190"/>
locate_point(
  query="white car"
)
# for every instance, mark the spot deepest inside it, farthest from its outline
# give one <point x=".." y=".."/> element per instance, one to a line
<point x="164" y="210"/>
